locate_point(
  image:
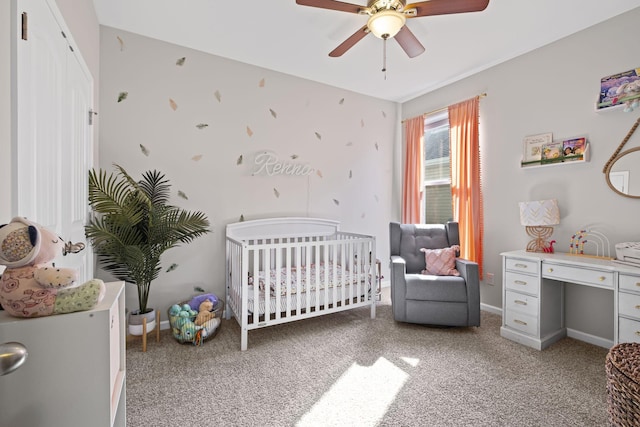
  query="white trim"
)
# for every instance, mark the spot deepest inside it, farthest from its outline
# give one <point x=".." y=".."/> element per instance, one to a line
<point x="591" y="339"/>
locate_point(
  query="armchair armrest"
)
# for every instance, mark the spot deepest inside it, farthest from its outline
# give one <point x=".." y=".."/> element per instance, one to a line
<point x="398" y="269"/>
<point x="469" y="271"/>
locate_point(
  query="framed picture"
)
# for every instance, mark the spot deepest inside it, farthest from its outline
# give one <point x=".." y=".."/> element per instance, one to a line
<point x="532" y="147"/>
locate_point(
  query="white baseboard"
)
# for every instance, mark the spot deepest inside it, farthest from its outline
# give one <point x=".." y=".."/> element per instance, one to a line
<point x="491" y="309"/>
<point x="588" y="338"/>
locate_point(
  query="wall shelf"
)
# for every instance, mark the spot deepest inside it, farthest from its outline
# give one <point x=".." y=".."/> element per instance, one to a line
<point x="565" y="160"/>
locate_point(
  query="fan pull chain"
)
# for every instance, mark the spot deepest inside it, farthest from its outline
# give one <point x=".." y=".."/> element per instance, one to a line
<point x="384" y="54"/>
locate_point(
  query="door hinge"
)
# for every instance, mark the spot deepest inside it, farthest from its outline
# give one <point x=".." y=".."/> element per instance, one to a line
<point x="24" y="26"/>
<point x="91" y="114"/>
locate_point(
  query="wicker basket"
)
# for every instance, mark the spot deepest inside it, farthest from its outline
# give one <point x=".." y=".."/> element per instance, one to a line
<point x="623" y="391"/>
<point x="185" y="331"/>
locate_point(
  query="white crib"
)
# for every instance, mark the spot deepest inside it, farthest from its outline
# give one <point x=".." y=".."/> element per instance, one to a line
<point x="284" y="269"/>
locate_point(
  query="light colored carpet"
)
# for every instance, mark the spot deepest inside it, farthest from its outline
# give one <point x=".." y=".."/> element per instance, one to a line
<point x="347" y="369"/>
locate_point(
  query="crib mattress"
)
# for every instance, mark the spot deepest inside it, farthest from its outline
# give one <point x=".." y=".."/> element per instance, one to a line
<point x="346" y="290"/>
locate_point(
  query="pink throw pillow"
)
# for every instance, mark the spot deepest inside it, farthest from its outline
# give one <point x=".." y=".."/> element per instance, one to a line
<point x="441" y="262"/>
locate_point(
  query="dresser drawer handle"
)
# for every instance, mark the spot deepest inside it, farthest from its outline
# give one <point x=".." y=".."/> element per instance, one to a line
<point x="525" y="303"/>
<point x="637" y="307"/>
<point x="637" y="283"/>
<point x="521" y="265"/>
<point x="638" y="333"/>
<point x="550" y="270"/>
<point x="601" y="278"/>
<point x="525" y="323"/>
<point x="520" y="282"/>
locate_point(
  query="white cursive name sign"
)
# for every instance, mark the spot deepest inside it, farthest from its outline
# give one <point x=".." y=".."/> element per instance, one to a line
<point x="271" y="165"/>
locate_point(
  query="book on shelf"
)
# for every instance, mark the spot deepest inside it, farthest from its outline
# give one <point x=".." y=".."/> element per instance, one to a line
<point x="551" y="152"/>
<point x="573" y="149"/>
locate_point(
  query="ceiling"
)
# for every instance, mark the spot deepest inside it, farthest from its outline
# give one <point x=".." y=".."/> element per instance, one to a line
<point x="282" y="36"/>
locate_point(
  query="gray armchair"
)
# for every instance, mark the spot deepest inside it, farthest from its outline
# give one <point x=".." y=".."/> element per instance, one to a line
<point x="427" y="299"/>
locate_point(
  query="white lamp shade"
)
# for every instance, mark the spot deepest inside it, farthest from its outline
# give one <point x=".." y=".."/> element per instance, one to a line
<point x="386" y="23"/>
<point x="540" y="212"/>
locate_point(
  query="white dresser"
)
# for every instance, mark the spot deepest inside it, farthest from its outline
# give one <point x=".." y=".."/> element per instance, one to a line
<point x="75" y="372"/>
<point x="533" y="295"/>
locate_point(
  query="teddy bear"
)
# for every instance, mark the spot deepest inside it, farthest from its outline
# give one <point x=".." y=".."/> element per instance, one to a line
<point x="204" y="313"/>
<point x="31" y="285"/>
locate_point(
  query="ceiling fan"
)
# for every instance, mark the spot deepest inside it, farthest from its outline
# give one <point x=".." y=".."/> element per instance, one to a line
<point x="387" y="19"/>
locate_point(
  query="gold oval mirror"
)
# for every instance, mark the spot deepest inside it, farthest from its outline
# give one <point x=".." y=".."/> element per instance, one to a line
<point x="623" y="173"/>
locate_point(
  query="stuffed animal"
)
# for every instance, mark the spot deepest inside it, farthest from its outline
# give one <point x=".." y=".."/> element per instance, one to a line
<point x="205" y="313"/>
<point x="195" y="302"/>
<point x="31" y="286"/>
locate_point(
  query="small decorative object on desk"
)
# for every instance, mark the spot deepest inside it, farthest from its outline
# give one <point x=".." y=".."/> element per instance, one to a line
<point x="189" y="325"/>
<point x="628" y="253"/>
<point x="594" y="238"/>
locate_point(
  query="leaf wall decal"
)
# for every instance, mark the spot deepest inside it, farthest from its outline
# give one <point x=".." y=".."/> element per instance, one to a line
<point x="249" y="131"/>
<point x="350" y="174"/>
<point x="201" y="125"/>
<point x="294" y="156"/>
<point x="261" y="84"/>
<point x="172" y="267"/>
<point x="319" y="173"/>
<point x="273" y="113"/>
<point x="122" y="96"/>
<point x="337" y="202"/>
<point x="180" y="62"/>
<point x="377" y="147"/>
<point x="362" y="123"/>
<point x="239" y="161"/>
<point x="241" y="218"/>
<point x="173" y="104"/>
<point x="218" y="96"/>
<point x="318" y="135"/>
<point x="181" y="194"/>
<point x="276" y="192"/>
<point x="121" y="43"/>
<point x="384" y="114"/>
<point x="341" y="101"/>
<point x="197" y="157"/>
<point x="349" y="144"/>
<point x="144" y="150"/>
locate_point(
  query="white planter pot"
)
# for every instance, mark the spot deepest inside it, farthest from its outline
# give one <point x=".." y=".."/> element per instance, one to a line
<point x="136" y="322"/>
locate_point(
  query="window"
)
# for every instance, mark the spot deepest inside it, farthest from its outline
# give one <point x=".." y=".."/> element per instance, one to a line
<point x="437" y="208"/>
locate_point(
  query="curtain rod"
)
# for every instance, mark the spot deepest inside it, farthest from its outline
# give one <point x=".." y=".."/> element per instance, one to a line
<point x="439" y="110"/>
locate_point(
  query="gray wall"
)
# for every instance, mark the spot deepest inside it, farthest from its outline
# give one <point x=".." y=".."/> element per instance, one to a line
<point x="348" y="138"/>
<point x="552" y="89"/>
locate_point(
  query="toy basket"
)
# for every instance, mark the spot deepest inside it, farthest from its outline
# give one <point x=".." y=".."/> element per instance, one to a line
<point x="185" y="331"/>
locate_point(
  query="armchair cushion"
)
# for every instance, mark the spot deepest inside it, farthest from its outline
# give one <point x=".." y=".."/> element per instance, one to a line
<point x="441" y="262"/>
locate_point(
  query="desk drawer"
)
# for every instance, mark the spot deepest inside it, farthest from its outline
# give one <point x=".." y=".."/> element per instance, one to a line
<point x="522" y="266"/>
<point x="629" y="305"/>
<point x="522" y="283"/>
<point x="575" y="274"/>
<point x="522" y="303"/>
<point x="628" y="330"/>
<point x="629" y="283"/>
<point x="522" y="322"/>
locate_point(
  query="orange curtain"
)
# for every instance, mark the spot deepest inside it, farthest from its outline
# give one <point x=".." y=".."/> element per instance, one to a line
<point x="412" y="181"/>
<point x="465" y="178"/>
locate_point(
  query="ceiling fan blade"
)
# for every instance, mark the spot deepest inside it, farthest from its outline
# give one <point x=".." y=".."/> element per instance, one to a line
<point x="409" y="42"/>
<point x="348" y="43"/>
<point x="445" y="7"/>
<point x="331" y="4"/>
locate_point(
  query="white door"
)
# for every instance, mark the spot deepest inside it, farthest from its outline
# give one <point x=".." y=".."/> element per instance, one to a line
<point x="53" y="138"/>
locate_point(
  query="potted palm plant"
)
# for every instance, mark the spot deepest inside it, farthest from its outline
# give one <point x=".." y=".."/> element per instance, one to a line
<point x="132" y="226"/>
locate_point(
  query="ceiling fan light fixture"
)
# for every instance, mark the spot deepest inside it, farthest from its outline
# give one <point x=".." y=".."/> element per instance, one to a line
<point x="386" y="23"/>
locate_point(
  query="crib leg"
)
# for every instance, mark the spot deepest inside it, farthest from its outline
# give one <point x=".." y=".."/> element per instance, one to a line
<point x="243" y="339"/>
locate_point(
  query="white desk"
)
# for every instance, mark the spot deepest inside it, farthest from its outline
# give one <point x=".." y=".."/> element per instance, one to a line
<point x="533" y="295"/>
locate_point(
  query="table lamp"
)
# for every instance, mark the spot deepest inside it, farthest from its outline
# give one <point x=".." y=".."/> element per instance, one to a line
<point x="538" y="218"/>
